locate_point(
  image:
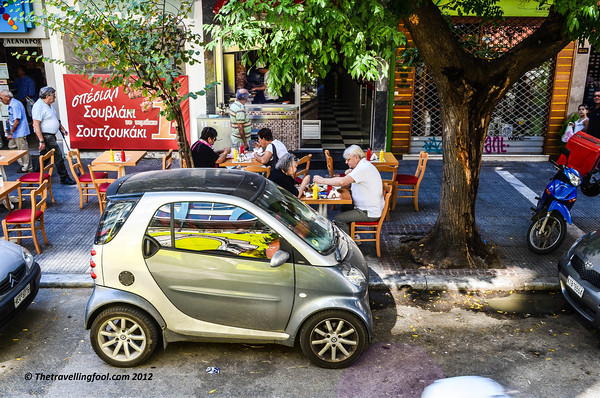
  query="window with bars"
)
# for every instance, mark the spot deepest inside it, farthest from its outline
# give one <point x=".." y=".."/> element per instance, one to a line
<point x="524" y="109"/>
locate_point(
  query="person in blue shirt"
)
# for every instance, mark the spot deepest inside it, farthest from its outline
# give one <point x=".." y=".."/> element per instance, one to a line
<point x="24" y="85"/>
<point x="18" y="128"/>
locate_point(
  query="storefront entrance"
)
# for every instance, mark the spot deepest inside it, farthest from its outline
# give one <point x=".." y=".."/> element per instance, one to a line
<point x="345" y="108"/>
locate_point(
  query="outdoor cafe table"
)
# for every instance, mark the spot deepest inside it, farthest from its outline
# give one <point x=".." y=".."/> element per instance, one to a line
<point x="9" y="156"/>
<point x="7" y="188"/>
<point x="390" y="159"/>
<point x="229" y="162"/>
<point x="132" y="158"/>
<point x="344" y="199"/>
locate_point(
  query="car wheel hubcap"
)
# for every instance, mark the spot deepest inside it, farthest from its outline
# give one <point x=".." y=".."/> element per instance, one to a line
<point x="122" y="339"/>
<point x="334" y="340"/>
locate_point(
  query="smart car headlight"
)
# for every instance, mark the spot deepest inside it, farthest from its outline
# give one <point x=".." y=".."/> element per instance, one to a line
<point x="27" y="257"/>
<point x="353" y="274"/>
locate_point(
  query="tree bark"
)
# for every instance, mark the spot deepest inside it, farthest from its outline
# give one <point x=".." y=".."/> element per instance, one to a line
<point x="183" y="146"/>
<point x="469" y="89"/>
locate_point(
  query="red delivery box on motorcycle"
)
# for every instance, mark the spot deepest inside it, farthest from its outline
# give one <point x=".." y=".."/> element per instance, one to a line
<point x="585" y="152"/>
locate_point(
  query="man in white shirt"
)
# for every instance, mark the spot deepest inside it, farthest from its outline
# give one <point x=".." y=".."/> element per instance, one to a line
<point x="45" y="126"/>
<point x="366" y="187"/>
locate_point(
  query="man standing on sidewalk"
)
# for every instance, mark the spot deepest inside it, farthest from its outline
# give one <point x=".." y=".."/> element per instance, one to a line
<point x="594" y="116"/>
<point x="241" y="129"/>
<point x="18" y="128"/>
<point x="46" y="125"/>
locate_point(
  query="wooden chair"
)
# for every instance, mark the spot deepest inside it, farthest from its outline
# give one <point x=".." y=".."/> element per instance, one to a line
<point x="167" y="160"/>
<point x="300" y="174"/>
<point x="329" y="161"/>
<point x="373" y="227"/>
<point x="384" y="168"/>
<point x="83" y="179"/>
<point x="259" y="169"/>
<point x="412" y="181"/>
<point x="101" y="184"/>
<point x="31" y="181"/>
<point x="33" y="217"/>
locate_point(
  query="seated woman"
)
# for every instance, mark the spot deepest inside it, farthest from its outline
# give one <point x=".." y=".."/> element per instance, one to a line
<point x="288" y="164"/>
<point x="203" y="154"/>
<point x="272" y="151"/>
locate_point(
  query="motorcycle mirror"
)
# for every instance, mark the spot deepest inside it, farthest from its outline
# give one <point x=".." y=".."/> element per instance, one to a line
<point x="565" y="151"/>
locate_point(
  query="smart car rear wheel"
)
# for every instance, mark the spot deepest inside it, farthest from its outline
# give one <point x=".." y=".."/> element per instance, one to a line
<point x="333" y="339"/>
<point x="124" y="336"/>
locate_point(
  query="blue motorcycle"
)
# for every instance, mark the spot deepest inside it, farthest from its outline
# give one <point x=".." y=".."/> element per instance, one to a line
<point x="549" y="222"/>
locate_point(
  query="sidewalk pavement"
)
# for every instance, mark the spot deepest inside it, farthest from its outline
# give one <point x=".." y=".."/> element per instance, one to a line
<point x="506" y="191"/>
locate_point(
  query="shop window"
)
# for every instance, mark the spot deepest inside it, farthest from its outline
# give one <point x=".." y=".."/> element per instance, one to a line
<point x="240" y="70"/>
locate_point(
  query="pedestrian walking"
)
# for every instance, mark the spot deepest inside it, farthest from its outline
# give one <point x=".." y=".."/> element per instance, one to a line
<point x="46" y="125"/>
<point x="18" y="129"/>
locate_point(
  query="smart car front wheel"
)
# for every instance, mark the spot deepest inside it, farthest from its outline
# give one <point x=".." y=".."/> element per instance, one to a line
<point x="123" y="336"/>
<point x="333" y="339"/>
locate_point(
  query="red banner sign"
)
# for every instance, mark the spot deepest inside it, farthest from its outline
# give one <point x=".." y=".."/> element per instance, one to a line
<point x="109" y="118"/>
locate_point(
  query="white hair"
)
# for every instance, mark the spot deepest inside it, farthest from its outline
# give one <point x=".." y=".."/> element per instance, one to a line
<point x="353" y="150"/>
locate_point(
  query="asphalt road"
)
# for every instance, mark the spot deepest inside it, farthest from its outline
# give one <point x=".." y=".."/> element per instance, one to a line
<point x="533" y="345"/>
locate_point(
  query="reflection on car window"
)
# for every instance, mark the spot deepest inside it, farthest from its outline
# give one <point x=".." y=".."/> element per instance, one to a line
<point x="297" y="217"/>
<point x="160" y="226"/>
<point x="213" y="227"/>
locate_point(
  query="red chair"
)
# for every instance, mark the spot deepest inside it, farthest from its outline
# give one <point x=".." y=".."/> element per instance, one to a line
<point x="34" y="217"/>
<point x="31" y="181"/>
<point x="412" y="181"/>
<point x="373" y="227"/>
<point x="83" y="179"/>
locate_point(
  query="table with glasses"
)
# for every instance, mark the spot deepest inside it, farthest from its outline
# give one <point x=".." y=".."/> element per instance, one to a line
<point x="132" y="158"/>
<point x="230" y="162"/>
<point x="344" y="199"/>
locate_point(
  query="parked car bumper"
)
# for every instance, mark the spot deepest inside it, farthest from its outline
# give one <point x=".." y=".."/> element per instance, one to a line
<point x="7" y="303"/>
<point x="588" y="305"/>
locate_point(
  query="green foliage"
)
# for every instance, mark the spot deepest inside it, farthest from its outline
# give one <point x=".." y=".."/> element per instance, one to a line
<point x="301" y="41"/>
<point x="143" y="44"/>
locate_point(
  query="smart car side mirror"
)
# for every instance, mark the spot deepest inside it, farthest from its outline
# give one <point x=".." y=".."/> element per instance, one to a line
<point x="279" y="258"/>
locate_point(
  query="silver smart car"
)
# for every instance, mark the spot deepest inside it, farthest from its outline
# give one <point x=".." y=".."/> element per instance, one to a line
<point x="221" y="255"/>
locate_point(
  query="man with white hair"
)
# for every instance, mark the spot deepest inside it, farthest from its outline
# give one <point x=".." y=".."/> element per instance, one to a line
<point x="18" y="129"/>
<point x="366" y="186"/>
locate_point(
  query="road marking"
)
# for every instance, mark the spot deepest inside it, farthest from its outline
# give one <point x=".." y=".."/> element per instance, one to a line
<point x="572" y="230"/>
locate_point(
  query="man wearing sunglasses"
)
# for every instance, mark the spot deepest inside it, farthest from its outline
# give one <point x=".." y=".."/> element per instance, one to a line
<point x="594" y="116"/>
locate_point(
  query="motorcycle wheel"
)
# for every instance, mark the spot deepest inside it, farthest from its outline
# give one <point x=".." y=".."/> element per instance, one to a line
<point x="553" y="235"/>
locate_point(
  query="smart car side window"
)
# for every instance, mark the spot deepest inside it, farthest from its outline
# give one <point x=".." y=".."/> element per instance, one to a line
<point x="215" y="228"/>
<point x="160" y="226"/>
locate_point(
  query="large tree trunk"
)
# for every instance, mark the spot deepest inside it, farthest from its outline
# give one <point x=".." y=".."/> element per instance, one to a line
<point x="469" y="89"/>
<point x="183" y="146"/>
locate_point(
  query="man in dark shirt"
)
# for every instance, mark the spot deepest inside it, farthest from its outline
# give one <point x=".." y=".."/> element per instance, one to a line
<point x="594" y="116"/>
<point x="203" y="153"/>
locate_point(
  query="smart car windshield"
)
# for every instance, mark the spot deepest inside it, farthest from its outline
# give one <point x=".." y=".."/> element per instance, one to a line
<point x="297" y="217"/>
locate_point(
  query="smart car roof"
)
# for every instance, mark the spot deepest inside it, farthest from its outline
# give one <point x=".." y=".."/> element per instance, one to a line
<point x="238" y="183"/>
